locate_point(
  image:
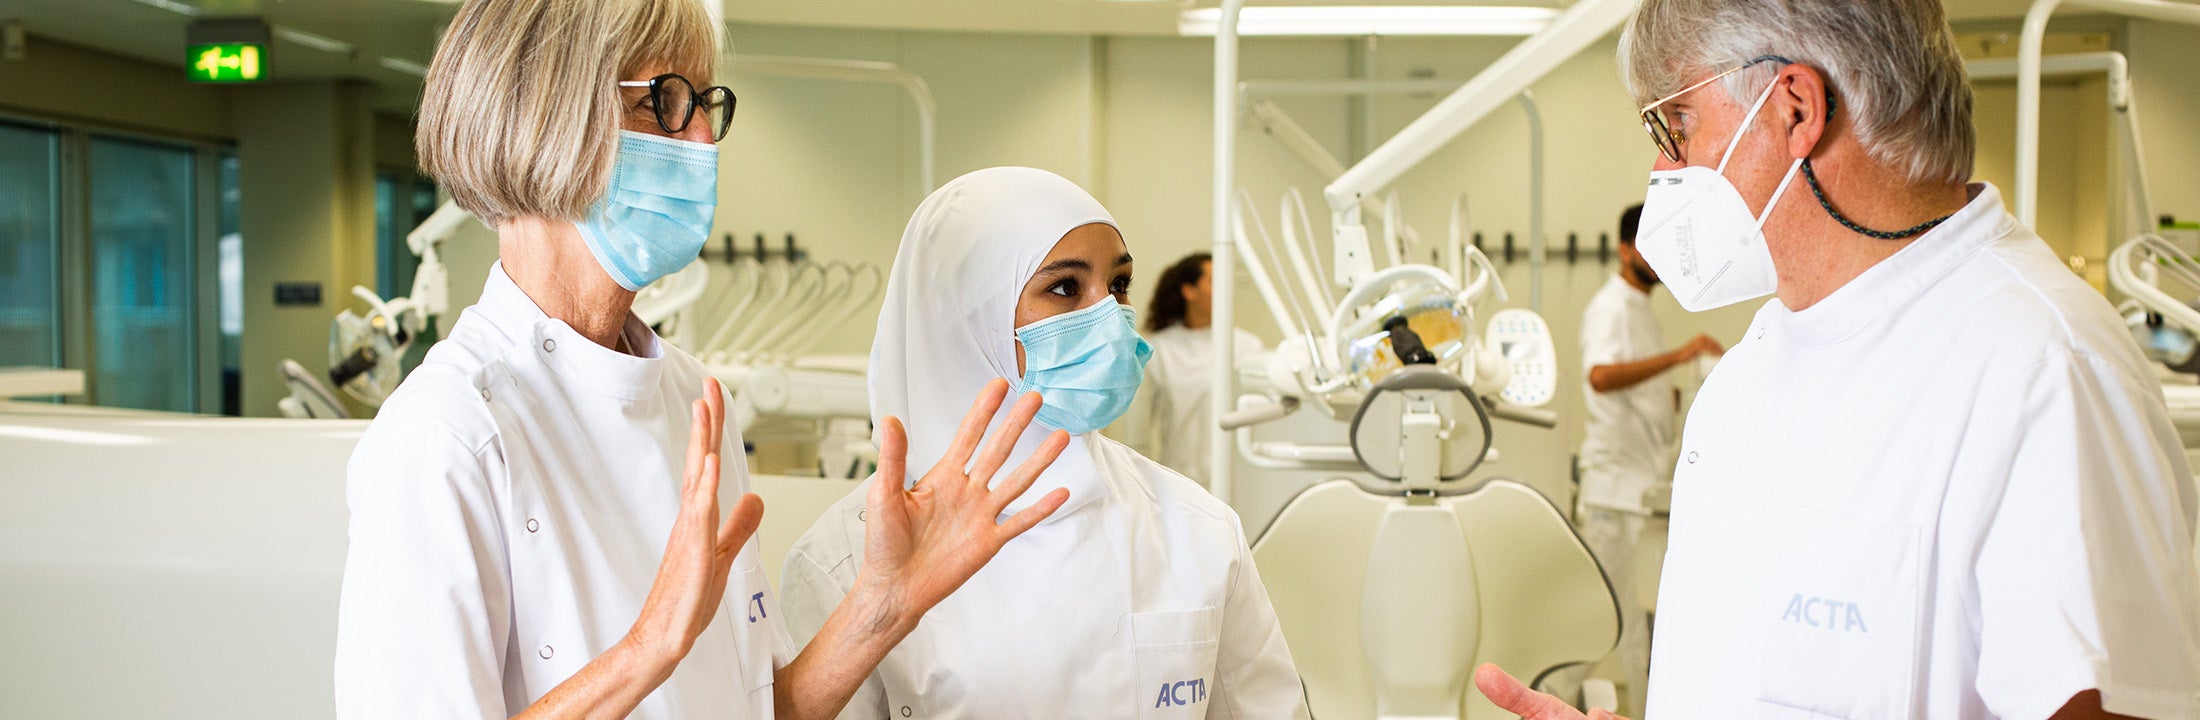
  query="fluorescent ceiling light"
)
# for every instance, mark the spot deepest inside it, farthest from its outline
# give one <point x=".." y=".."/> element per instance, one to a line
<point x="407" y="67"/>
<point x="171" y="6"/>
<point x="1373" y="20"/>
<point x="322" y="43"/>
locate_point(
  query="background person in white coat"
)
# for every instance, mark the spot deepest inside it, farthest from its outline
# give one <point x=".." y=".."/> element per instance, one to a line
<point x="512" y="503"/>
<point x="1138" y="599"/>
<point x="1173" y="401"/>
<point x="1936" y="478"/>
<point x="1628" y="442"/>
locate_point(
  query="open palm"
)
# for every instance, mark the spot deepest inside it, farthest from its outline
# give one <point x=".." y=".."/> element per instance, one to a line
<point x="925" y="541"/>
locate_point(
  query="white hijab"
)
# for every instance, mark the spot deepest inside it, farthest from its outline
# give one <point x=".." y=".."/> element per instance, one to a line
<point x="948" y="325"/>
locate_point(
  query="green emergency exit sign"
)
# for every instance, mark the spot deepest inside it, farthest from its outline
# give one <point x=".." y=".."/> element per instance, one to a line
<point x="226" y="62"/>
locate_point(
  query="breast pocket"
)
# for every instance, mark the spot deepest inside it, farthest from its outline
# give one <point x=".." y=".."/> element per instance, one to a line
<point x="1838" y="617"/>
<point x="756" y="620"/>
<point x="1174" y="653"/>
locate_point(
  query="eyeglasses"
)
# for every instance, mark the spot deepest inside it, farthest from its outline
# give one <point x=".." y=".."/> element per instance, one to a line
<point x="1668" y="140"/>
<point x="675" y="101"/>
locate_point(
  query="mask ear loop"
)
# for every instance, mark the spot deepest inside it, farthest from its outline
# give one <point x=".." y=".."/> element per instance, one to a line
<point x="1744" y="127"/>
<point x="1776" y="193"/>
<point x="1737" y="142"/>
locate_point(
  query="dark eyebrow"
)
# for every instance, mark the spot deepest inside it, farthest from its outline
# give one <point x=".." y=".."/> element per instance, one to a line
<point x="1064" y="266"/>
<point x="1073" y="264"/>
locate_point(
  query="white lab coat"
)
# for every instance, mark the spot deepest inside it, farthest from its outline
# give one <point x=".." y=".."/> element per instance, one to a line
<point x="510" y="506"/>
<point x="1138" y="598"/>
<point x="1179" y="382"/>
<point x="1140" y="601"/>
<point x="1627" y="443"/>
<point x="1950" y="489"/>
<point x="1627" y="446"/>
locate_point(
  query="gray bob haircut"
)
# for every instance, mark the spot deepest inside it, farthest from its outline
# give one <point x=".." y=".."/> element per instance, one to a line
<point x="1892" y="66"/>
<point x="520" y="113"/>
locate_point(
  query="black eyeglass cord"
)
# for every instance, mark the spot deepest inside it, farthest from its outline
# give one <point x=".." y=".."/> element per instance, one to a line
<point x="1920" y="229"/>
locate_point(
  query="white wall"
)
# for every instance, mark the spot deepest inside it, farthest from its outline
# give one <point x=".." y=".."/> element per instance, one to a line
<point x="836" y="164"/>
<point x="2164" y="64"/>
<point x="306" y="177"/>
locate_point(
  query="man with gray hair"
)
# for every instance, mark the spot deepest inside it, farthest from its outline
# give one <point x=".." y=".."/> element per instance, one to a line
<point x="1936" y="478"/>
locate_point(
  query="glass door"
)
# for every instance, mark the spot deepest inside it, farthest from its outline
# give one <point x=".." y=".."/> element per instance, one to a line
<point x="30" y="246"/>
<point x="142" y="300"/>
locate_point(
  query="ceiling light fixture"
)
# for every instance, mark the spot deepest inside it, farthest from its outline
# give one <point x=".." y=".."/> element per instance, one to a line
<point x="407" y="67"/>
<point x="172" y="6"/>
<point x="322" y="43"/>
<point x="1373" y="20"/>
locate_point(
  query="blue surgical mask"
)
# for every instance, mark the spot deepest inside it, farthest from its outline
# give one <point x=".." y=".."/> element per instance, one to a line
<point x="1086" y="365"/>
<point x="656" y="215"/>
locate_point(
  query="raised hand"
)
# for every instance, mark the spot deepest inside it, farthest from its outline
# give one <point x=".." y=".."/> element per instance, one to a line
<point x="700" y="553"/>
<point x="685" y="596"/>
<point x="1514" y="697"/>
<point x="922" y="543"/>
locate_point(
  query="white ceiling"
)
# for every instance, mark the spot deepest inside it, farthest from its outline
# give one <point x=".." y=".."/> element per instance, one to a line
<point x="1104" y="17"/>
<point x="387" y="36"/>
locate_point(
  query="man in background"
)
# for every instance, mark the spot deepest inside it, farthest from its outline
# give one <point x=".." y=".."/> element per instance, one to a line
<point x="1627" y="446"/>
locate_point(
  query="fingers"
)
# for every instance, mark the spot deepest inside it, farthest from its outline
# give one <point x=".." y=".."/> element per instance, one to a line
<point x="740" y="524"/>
<point x="714" y="401"/>
<point x="1507" y="692"/>
<point x="698" y="439"/>
<point x="1031" y="516"/>
<point x="705" y="493"/>
<point x="893" y="453"/>
<point x="887" y="487"/>
<point x="973" y="424"/>
<point x="1005" y="439"/>
<point x="1019" y="481"/>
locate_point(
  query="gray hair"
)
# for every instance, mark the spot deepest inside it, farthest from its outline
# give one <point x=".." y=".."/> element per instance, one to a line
<point x="1892" y="65"/>
<point x="520" y="113"/>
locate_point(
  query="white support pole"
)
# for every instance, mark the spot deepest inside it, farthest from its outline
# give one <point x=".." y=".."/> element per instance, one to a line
<point x="1224" y="322"/>
<point x="2028" y="110"/>
<point x="1536" y="240"/>
<point x="2121" y="101"/>
<point x="1319" y="88"/>
<point x="1281" y="310"/>
<point x="1271" y="118"/>
<point x="2028" y="81"/>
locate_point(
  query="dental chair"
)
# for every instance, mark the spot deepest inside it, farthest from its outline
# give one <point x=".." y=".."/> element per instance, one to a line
<point x="1392" y="588"/>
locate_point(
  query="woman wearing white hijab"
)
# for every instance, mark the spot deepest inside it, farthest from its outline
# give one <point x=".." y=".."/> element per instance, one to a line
<point x="1138" y="597"/>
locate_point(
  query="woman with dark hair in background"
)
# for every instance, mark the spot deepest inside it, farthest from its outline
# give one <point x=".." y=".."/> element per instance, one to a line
<point x="1177" y="381"/>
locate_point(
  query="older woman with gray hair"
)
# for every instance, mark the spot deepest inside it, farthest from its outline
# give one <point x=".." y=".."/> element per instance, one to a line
<point x="535" y="529"/>
<point x="1936" y="478"/>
